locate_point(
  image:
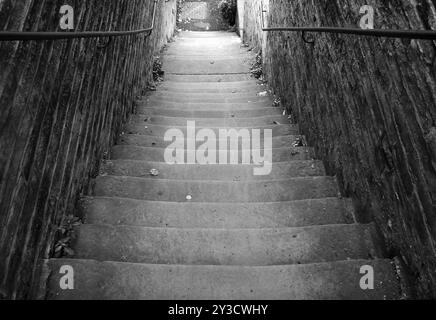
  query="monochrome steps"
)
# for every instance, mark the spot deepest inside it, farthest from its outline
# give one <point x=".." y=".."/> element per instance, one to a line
<point x="144" y="128"/>
<point x="216" y="191"/>
<point x="219" y="143"/>
<point x="164" y="214"/>
<point x="245" y="247"/>
<point x="226" y="172"/>
<point x="132" y="281"/>
<point x="153" y="230"/>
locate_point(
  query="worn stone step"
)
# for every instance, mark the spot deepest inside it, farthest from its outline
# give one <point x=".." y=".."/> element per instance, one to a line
<point x="198" y="89"/>
<point x="159" y="142"/>
<point x="283" y="170"/>
<point x="144" y="128"/>
<point x="191" y="48"/>
<point x="216" y="191"/>
<point x="214" y="122"/>
<point x="206" y="35"/>
<point x="208" y="54"/>
<point x="203" y="49"/>
<point x="183" y="44"/>
<point x="127" y="281"/>
<point x="246" y="96"/>
<point x="214" y="41"/>
<point x="177" y="65"/>
<point x="213" y="78"/>
<point x="217" y="113"/>
<point x="122" y="211"/>
<point x="203" y="86"/>
<point x="247" y="247"/>
<point x="129" y="152"/>
<point x="209" y="98"/>
<point x="142" y="104"/>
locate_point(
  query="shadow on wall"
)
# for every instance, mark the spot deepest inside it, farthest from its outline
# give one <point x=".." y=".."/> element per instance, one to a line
<point x="63" y="104"/>
<point x="368" y="106"/>
<point x="206" y="15"/>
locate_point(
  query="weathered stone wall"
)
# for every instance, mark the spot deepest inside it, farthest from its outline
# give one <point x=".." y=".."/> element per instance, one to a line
<point x="62" y="105"/>
<point x="368" y="105"/>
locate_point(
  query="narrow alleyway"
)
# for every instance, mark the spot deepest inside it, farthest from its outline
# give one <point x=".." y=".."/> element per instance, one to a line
<point x="160" y="231"/>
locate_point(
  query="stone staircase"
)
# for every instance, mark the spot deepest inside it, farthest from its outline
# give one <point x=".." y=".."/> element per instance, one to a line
<point x="217" y="231"/>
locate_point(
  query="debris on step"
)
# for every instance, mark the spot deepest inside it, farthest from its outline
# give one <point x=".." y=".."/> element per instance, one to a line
<point x="277" y="123"/>
<point x="189" y="197"/>
<point x="154" y="172"/>
<point x="263" y="94"/>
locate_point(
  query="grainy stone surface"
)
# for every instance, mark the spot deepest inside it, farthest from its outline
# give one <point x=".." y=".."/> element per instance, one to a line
<point x="368" y="106"/>
<point x="62" y="105"/>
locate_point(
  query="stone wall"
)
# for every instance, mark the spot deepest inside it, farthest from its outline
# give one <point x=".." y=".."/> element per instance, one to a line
<point x="62" y="104"/>
<point x="368" y="105"/>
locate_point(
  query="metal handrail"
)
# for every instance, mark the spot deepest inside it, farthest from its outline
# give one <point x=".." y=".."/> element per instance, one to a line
<point x="388" y="33"/>
<point x="404" y="34"/>
<point x="25" y="36"/>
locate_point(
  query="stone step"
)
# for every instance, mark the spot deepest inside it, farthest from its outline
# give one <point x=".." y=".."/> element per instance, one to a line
<point x="142" y="169"/>
<point x="127" y="281"/>
<point x="204" y="43"/>
<point x="231" y="247"/>
<point x="208" y="54"/>
<point x="122" y="211"/>
<point x="199" y="88"/>
<point x="206" y="51"/>
<point x="193" y="65"/>
<point x="216" y="191"/>
<point x="251" y="84"/>
<point x="218" y="42"/>
<point x="144" y="128"/>
<point x="143" y="105"/>
<point x="129" y="152"/>
<point x="159" y="142"/>
<point x="217" y="113"/>
<point x="234" y="94"/>
<point x="214" y="122"/>
<point x="205" y="34"/>
<point x="210" y="98"/>
<point x="213" y="78"/>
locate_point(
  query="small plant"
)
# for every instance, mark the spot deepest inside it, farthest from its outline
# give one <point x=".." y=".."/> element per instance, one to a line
<point x="228" y="10"/>
<point x="64" y="236"/>
<point x="257" y="67"/>
<point x="158" y="72"/>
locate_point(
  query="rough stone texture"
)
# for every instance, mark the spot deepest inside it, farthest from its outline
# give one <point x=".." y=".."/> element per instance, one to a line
<point x="62" y="105"/>
<point x="201" y="15"/>
<point x="368" y="106"/>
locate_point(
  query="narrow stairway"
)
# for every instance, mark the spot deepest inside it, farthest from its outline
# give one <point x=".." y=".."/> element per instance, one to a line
<point x="160" y="231"/>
